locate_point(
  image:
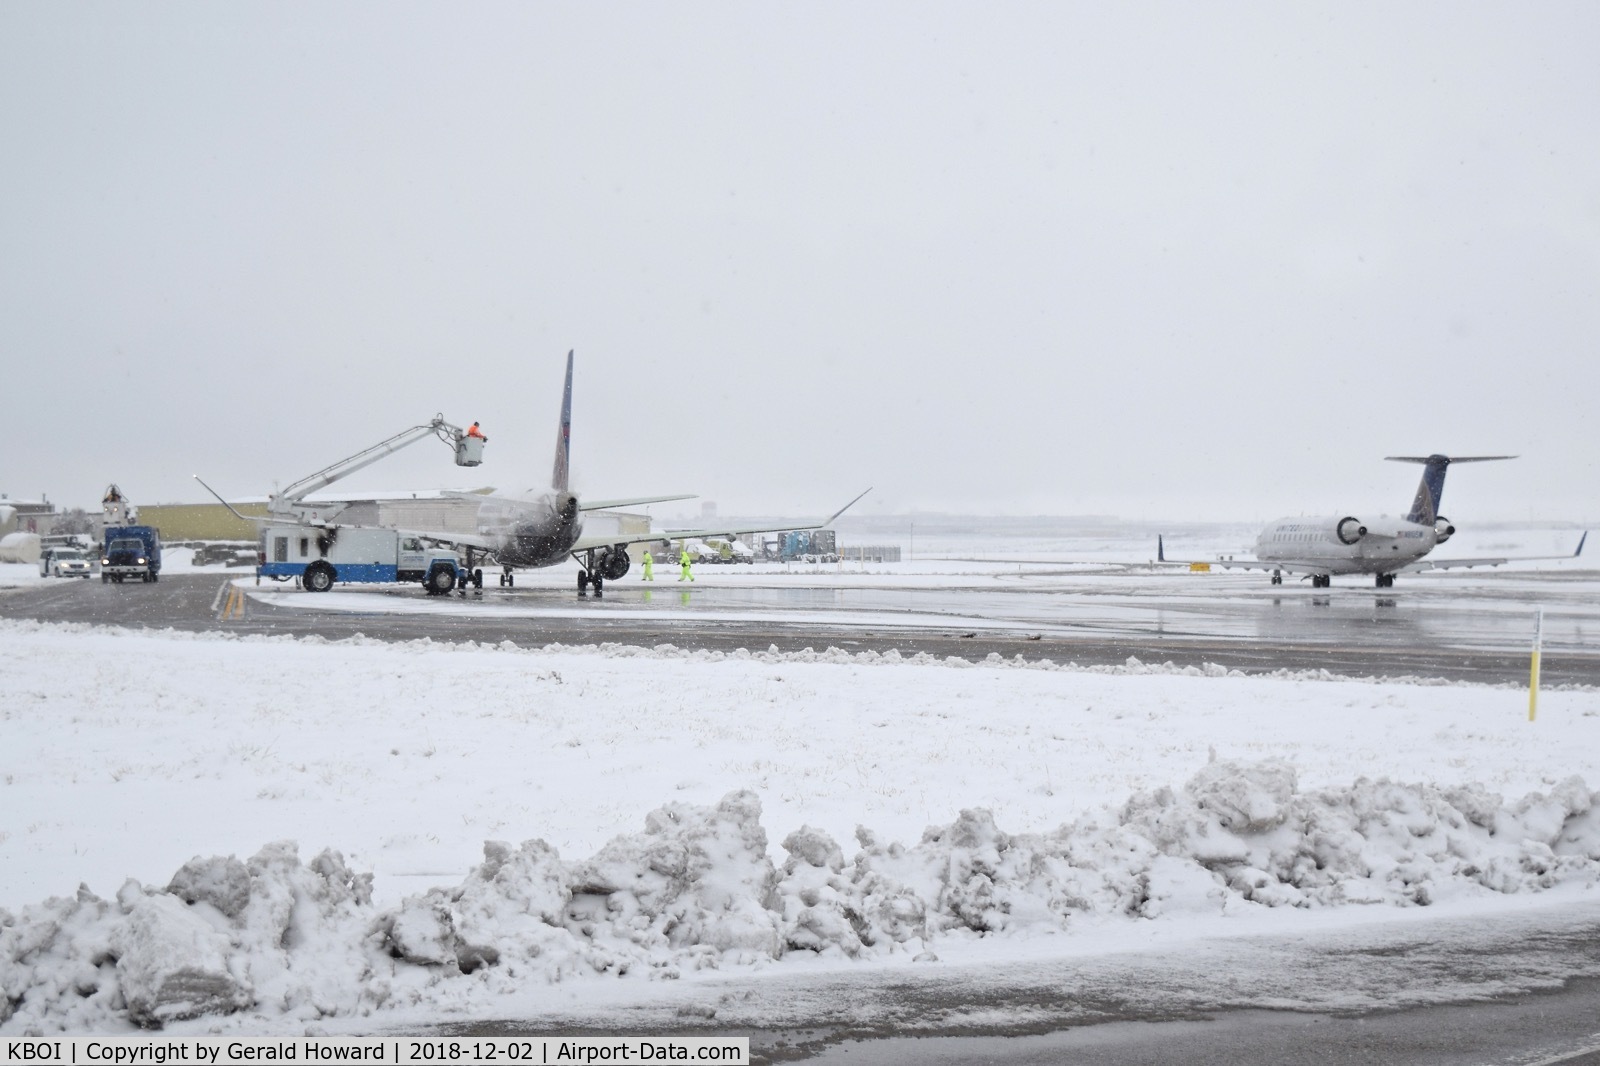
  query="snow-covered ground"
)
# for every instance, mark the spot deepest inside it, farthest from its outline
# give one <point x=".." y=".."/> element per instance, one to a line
<point x="671" y="815"/>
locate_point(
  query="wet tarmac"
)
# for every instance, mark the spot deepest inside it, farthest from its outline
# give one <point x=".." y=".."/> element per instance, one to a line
<point x="1467" y="627"/>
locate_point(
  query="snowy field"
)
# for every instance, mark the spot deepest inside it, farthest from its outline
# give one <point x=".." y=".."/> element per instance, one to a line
<point x="276" y="830"/>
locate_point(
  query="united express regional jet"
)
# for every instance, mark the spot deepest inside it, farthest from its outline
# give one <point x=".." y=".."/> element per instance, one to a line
<point x="1322" y="546"/>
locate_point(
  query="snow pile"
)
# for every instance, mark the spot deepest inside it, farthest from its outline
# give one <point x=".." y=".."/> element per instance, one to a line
<point x="697" y="890"/>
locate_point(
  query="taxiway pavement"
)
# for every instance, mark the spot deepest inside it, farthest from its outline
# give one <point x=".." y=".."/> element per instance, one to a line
<point x="1475" y="629"/>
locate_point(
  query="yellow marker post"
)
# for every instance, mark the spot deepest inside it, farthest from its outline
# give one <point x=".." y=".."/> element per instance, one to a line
<point x="1533" y="669"/>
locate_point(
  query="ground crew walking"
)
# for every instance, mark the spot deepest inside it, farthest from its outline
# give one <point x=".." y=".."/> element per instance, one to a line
<point x="683" y="561"/>
<point x="649" y="566"/>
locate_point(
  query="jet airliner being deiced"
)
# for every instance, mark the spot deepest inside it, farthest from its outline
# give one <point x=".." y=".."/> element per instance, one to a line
<point x="1322" y="546"/>
<point x="545" y="527"/>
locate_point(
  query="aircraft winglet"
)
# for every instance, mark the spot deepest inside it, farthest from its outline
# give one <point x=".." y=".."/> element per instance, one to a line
<point x="829" y="520"/>
<point x="247" y="518"/>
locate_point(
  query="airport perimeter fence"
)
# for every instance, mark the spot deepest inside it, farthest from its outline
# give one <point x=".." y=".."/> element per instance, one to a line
<point x="870" y="553"/>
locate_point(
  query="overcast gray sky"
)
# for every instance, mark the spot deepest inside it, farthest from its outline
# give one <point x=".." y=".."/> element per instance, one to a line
<point x="1156" y="260"/>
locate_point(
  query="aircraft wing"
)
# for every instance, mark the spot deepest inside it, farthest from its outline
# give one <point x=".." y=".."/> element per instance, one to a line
<point x="1462" y="564"/>
<point x="608" y="505"/>
<point x="1292" y="566"/>
<point x="594" y="505"/>
<point x="601" y="541"/>
<point x="455" y="540"/>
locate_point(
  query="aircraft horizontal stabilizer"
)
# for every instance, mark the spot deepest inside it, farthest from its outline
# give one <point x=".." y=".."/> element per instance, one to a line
<point x="1451" y="459"/>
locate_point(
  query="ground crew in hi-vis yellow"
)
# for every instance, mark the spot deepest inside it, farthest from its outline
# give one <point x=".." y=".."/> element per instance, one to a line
<point x="649" y="566"/>
<point x="683" y="561"/>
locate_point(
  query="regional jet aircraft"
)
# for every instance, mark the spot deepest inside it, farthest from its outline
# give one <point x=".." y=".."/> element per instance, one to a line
<point x="1344" y="544"/>
<point x="545" y="527"/>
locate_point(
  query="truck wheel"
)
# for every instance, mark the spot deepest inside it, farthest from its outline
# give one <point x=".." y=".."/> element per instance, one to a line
<point x="441" y="579"/>
<point x="105" y="578"/>
<point x="318" y="577"/>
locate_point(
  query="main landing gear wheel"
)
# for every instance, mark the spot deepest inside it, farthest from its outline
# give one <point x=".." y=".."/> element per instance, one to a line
<point x="1277" y="577"/>
<point x="508" y="579"/>
<point x="1386" y="581"/>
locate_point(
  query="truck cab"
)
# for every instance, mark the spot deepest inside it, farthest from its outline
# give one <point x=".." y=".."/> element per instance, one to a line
<point x="131" y="551"/>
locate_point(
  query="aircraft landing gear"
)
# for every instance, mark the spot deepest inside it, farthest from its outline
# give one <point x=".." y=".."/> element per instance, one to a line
<point x="1386" y="581"/>
<point x="1277" y="577"/>
<point x="507" y="579"/>
<point x="585" y="578"/>
<point x="1321" y="581"/>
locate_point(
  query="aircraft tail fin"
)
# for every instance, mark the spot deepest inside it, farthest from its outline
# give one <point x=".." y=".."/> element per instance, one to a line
<point x="559" y="475"/>
<point x="1425" y="507"/>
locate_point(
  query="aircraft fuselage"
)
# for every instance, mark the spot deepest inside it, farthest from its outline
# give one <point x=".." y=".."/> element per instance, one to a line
<point x="1342" y="544"/>
<point x="533" y="531"/>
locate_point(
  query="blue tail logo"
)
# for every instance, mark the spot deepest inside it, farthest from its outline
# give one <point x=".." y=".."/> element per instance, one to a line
<point x="1425" y="507"/>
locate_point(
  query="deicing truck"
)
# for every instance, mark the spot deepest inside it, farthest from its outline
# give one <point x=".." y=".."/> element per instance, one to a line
<point x="320" y="556"/>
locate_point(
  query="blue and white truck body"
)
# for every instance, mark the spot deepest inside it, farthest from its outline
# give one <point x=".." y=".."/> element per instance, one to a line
<point x="131" y="551"/>
<point x="320" y="556"/>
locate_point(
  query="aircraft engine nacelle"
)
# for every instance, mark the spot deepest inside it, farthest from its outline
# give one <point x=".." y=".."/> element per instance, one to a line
<point x="1443" y="530"/>
<point x="611" y="563"/>
<point x="1350" y="530"/>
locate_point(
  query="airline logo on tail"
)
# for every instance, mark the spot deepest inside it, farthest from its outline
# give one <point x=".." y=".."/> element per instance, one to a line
<point x="1425" y="507"/>
<point x="558" y="476"/>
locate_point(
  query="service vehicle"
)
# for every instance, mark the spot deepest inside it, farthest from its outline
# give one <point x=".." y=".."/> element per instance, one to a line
<point x="131" y="551"/>
<point x="727" y="551"/>
<point x="228" y="554"/>
<point x="321" y="556"/>
<point x="64" y="562"/>
<point x="802" y="546"/>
